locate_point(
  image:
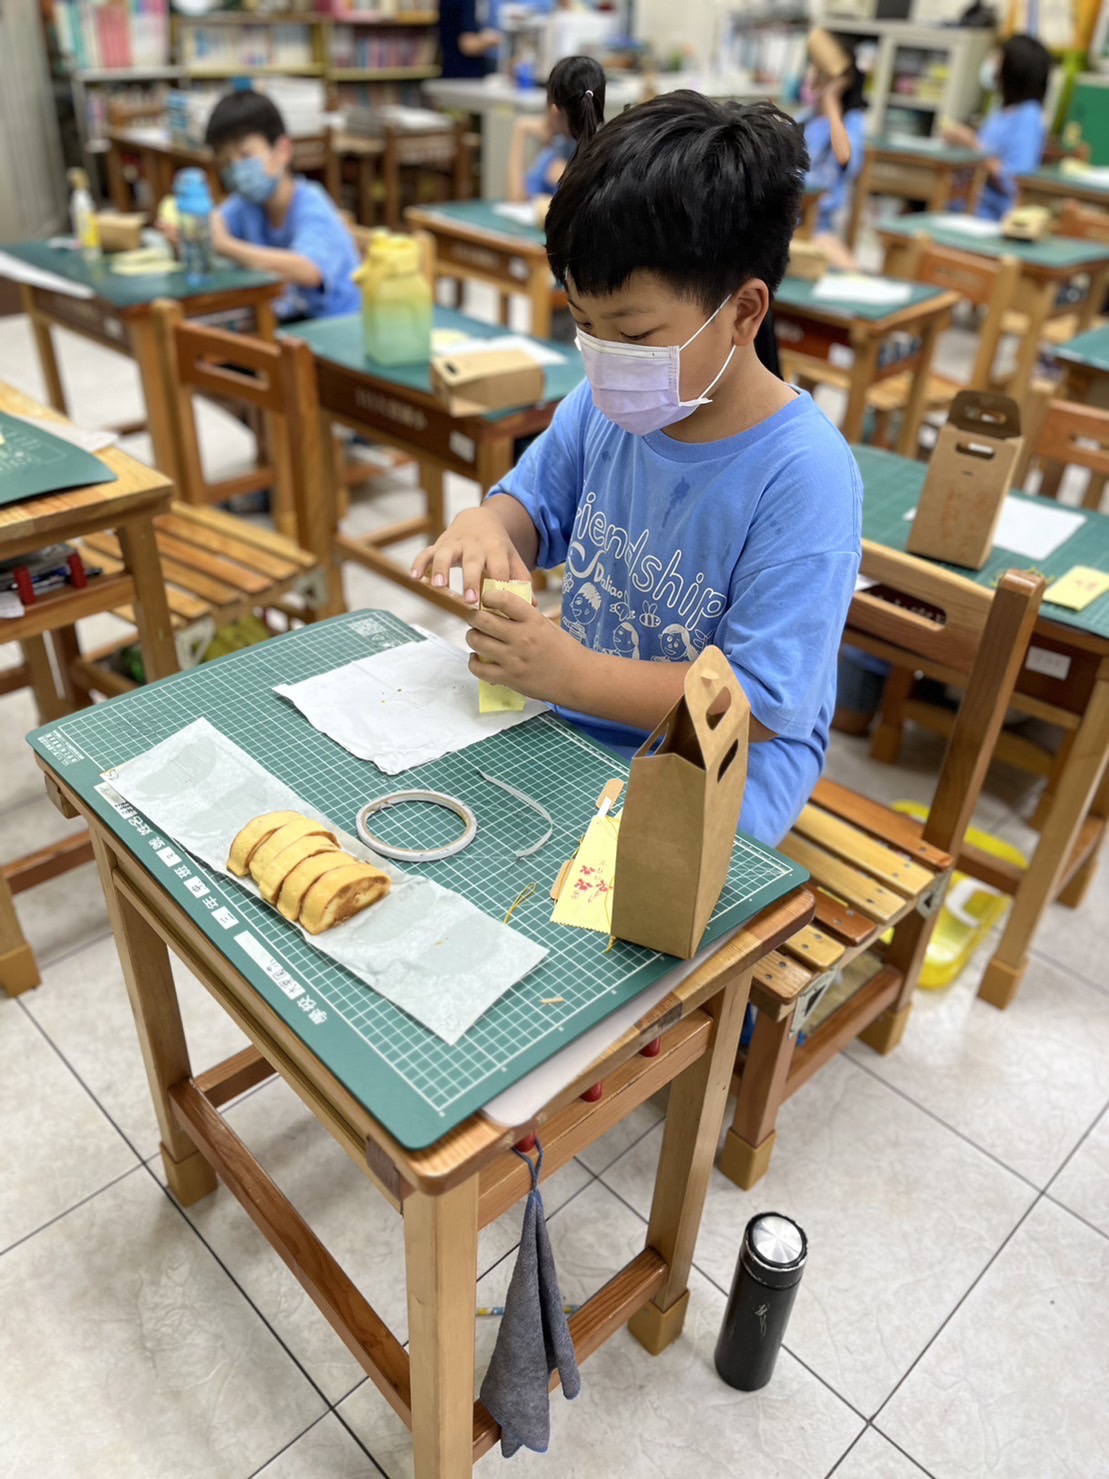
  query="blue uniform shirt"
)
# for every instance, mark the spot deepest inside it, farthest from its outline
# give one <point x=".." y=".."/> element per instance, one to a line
<point x="314" y="229"/>
<point x="538" y="180"/>
<point x="1015" y="137"/>
<point x="824" y="168"/>
<point x="751" y="543"/>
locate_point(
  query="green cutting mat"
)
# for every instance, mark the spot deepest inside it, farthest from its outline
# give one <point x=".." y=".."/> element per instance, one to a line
<point x="891" y="486"/>
<point x="1090" y="349"/>
<point x="32" y="463"/>
<point x="1059" y="252"/>
<point x="797" y="292"/>
<point x="341" y="341"/>
<point x="415" y="1084"/>
<point x="133" y="292"/>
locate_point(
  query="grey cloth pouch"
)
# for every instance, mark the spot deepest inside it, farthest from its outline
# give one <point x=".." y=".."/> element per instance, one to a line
<point x="534" y="1338"/>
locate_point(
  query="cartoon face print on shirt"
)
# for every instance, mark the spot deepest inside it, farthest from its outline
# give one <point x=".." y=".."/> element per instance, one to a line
<point x="582" y="611"/>
<point x="625" y="641"/>
<point x="675" y="644"/>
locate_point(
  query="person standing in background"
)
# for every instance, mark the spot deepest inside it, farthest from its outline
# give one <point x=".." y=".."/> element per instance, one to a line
<point x="1014" y="135"/>
<point x="468" y="37"/>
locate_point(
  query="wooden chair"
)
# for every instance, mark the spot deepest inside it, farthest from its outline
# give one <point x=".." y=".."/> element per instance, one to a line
<point x="219" y="568"/>
<point x="1083" y="223"/>
<point x="988" y="284"/>
<point x="399" y="166"/>
<point x="1059" y="434"/>
<point x="874" y="870"/>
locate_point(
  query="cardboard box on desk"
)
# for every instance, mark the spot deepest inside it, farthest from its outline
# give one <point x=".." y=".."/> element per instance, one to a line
<point x="680" y="814"/>
<point x="969" y="475"/>
<point x="493" y="380"/>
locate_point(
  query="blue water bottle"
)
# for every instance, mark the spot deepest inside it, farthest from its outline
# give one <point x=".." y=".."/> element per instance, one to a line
<point x="194" y="206"/>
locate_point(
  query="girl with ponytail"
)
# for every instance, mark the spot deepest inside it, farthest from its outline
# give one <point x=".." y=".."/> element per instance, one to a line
<point x="575" y="111"/>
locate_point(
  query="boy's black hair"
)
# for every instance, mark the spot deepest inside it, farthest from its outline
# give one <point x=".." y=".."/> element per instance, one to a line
<point x="1024" y="71"/>
<point x="239" y="114"/>
<point x="576" y="84"/>
<point x="852" y="99"/>
<point x="705" y="195"/>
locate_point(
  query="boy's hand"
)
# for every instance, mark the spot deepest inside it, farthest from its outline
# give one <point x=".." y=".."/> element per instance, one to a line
<point x="480" y="544"/>
<point x="519" y="647"/>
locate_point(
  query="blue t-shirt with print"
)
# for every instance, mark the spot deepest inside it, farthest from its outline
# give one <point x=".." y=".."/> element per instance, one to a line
<point x="825" y="170"/>
<point x="751" y="543"/>
<point x="1015" y="137"/>
<point x="313" y="228"/>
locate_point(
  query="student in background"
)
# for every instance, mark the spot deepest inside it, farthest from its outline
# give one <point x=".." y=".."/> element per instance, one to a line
<point x="575" y="111"/>
<point x="468" y="38"/>
<point x="825" y="171"/>
<point x="1013" y="136"/>
<point x="693" y="496"/>
<point x="274" y="221"/>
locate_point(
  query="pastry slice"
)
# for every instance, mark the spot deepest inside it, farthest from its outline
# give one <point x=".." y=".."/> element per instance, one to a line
<point x="340" y="895"/>
<point x="277" y="841"/>
<point x="252" y="836"/>
<point x="279" y="867"/>
<point x="303" y="876"/>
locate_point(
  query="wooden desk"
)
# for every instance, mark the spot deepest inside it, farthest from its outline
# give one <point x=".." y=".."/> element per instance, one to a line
<point x="395" y="406"/>
<point x="441" y="148"/>
<point x="160" y="157"/>
<point x="472" y="241"/>
<point x="1052" y="185"/>
<point x="459" y="1181"/>
<point x="127" y="507"/>
<point x="810" y="211"/>
<point x="921" y="169"/>
<point x="1064" y="682"/>
<point x="1085" y="363"/>
<point x="856" y="340"/>
<point x="1046" y="268"/>
<point x="115" y="312"/>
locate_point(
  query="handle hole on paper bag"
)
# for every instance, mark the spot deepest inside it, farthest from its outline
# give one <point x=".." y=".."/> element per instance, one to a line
<point x="720" y="707"/>
<point x="976" y="449"/>
<point x="727" y="760"/>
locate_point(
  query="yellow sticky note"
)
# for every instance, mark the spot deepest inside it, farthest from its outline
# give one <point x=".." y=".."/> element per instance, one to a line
<point x="586" y="897"/>
<point x="495" y="698"/>
<point x="1078" y="588"/>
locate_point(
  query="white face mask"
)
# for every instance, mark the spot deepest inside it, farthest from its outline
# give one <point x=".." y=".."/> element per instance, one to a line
<point x="637" y="386"/>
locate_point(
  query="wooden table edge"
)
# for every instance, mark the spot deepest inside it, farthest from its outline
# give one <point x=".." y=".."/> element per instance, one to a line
<point x="427" y="220"/>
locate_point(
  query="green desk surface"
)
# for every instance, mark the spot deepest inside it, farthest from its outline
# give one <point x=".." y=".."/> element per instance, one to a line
<point x="1056" y="253"/>
<point x="1052" y="174"/>
<point x="415" y="1084"/>
<point x="891" y="487"/>
<point x="1090" y="350"/>
<point x="797" y="293"/>
<point x="134" y="292"/>
<point x="933" y="149"/>
<point x="480" y="215"/>
<point x="340" y="342"/>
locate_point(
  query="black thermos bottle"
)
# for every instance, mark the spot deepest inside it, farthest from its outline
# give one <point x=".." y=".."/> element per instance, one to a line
<point x="767" y="1274"/>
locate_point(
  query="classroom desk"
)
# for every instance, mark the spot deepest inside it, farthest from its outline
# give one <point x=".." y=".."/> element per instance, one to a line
<point x="851" y="338"/>
<point x="1051" y="185"/>
<point x="916" y="169"/>
<point x="810" y="210"/>
<point x="161" y="156"/>
<point x="446" y="1183"/>
<point x="115" y="312"/>
<point x="1046" y="267"/>
<point x="126" y="507"/>
<point x="395" y="406"/>
<point x="1065" y="681"/>
<point x="1085" y="362"/>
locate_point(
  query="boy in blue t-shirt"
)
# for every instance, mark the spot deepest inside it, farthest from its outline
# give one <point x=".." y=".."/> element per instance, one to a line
<point x="275" y="221"/>
<point x="1013" y="136"/>
<point x="694" y="497"/>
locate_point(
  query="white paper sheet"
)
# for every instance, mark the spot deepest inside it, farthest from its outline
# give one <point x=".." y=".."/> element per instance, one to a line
<point x="540" y="353"/>
<point x="1032" y="530"/>
<point x="856" y="287"/>
<point x="522" y="212"/>
<point x="77" y="436"/>
<point x="402" y="707"/>
<point x="1092" y="175"/>
<point x="35" y="277"/>
<point x="11" y="607"/>
<point x="968" y="225"/>
<point x="426" y="949"/>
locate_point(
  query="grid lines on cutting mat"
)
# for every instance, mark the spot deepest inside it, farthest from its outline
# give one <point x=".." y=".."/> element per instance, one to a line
<point x="551" y="764"/>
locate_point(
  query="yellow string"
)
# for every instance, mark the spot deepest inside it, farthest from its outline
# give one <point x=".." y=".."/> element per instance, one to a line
<point x="521" y="898"/>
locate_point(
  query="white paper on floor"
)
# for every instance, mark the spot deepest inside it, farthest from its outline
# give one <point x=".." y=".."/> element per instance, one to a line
<point x="1034" y="530"/>
<point x="424" y="948"/>
<point x="402" y="707"/>
<point x="855" y="287"/>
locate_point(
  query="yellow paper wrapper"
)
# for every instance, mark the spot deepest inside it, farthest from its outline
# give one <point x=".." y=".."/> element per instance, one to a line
<point x="1079" y="588"/>
<point x="586" y="897"/>
<point x="495" y="698"/>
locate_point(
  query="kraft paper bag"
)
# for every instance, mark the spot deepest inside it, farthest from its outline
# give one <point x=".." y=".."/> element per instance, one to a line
<point x="680" y="814"/>
<point x="970" y="472"/>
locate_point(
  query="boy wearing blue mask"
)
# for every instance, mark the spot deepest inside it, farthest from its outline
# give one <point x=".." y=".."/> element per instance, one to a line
<point x="274" y="221"/>
<point x="700" y="498"/>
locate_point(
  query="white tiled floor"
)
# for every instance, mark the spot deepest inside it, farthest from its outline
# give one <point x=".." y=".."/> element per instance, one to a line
<point x="956" y="1196"/>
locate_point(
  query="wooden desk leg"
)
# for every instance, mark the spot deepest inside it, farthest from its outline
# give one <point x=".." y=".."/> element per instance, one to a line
<point x="908" y="442"/>
<point x="697" y="1100"/>
<point x="1095" y="298"/>
<point x="1073" y="799"/>
<point x="440" y="1250"/>
<point x="859" y="198"/>
<point x="44" y="343"/>
<point x="866" y="361"/>
<point x="48" y="701"/>
<point x="265" y="320"/>
<point x="431" y="480"/>
<point x="152" y="618"/>
<point x="18" y="971"/>
<point x="539" y="292"/>
<point x="156" y="393"/>
<point x="1043" y="301"/>
<point x="494" y="460"/>
<point x="749" y="1143"/>
<point x="149" y="979"/>
<point x="118" y="193"/>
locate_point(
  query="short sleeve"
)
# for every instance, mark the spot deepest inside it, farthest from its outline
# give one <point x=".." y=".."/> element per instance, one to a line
<point x="232" y="212"/>
<point x="321" y="236"/>
<point x="1015" y="138"/>
<point x="547" y="480"/>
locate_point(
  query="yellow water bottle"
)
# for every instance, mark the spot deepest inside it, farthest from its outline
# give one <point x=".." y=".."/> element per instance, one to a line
<point x="396" y="302"/>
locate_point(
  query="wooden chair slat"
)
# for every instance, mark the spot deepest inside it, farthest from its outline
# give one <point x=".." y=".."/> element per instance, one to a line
<point x="839" y="919"/>
<point x="780" y="979"/>
<point x="813" y="947"/>
<point x="855" y="846"/>
<point x="241" y="576"/>
<point x="898" y="830"/>
<point x="228" y="542"/>
<point x="212" y="519"/>
<point x="206" y="587"/>
<point x="882" y="904"/>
